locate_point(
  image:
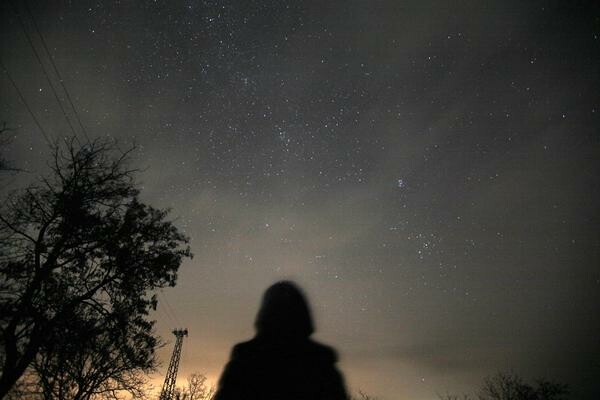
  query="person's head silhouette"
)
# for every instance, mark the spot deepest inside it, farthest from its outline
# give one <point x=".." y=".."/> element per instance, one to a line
<point x="281" y="361"/>
<point x="284" y="313"/>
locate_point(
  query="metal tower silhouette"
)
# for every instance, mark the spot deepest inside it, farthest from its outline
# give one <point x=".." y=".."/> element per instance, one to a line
<point x="171" y="377"/>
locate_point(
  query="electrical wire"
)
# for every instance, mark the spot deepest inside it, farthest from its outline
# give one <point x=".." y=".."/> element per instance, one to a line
<point x="172" y="310"/>
<point x="166" y="316"/>
<point x="37" y="122"/>
<point x="168" y="306"/>
<point x="165" y="312"/>
<point x="37" y="56"/>
<point x="60" y="79"/>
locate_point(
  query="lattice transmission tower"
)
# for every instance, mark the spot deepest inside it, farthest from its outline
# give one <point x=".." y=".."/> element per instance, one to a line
<point x="171" y="377"/>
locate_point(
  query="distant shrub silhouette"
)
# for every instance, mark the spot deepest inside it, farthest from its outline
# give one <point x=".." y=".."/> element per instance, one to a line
<point x="362" y="396"/>
<point x="195" y="389"/>
<point x="509" y="386"/>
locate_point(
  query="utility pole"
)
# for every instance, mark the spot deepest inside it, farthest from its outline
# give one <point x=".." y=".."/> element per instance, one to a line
<point x="171" y="377"/>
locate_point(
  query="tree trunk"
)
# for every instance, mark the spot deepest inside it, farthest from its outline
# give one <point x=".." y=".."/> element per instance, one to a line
<point x="13" y="369"/>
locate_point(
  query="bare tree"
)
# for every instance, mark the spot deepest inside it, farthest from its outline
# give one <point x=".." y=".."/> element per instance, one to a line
<point x="506" y="386"/>
<point x="80" y="259"/>
<point x="547" y="390"/>
<point x="449" y="396"/>
<point x="5" y="140"/>
<point x="510" y="386"/>
<point x="362" y="396"/>
<point x="197" y="388"/>
<point x="95" y="357"/>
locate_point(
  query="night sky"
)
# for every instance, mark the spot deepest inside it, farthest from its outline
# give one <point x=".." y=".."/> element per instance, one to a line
<point x="427" y="171"/>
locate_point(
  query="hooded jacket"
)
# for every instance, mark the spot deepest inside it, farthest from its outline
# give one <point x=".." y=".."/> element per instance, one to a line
<point x="281" y="362"/>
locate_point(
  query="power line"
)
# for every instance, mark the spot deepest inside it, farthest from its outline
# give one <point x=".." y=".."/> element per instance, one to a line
<point x="60" y="79"/>
<point x="162" y="308"/>
<point x="162" y="311"/>
<point x="37" y="122"/>
<point x="171" y="309"/>
<point x="42" y="65"/>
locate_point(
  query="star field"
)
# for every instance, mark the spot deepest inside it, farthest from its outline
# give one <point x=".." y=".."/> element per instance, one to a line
<point x="426" y="172"/>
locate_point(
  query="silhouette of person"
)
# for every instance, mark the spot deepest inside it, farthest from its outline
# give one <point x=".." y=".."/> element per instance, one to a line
<point x="282" y="362"/>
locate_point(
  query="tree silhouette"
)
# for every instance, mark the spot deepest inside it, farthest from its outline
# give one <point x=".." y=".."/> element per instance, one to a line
<point x="80" y="257"/>
<point x="93" y="357"/>
<point x="3" y="142"/>
<point x="362" y="396"/>
<point x="510" y="386"/>
<point x="197" y="388"/>
<point x="5" y="165"/>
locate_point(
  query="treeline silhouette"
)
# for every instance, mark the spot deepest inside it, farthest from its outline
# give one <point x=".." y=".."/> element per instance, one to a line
<point x="510" y="386"/>
<point x="500" y="386"/>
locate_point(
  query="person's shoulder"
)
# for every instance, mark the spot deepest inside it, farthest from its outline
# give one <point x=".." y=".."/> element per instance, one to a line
<point x="322" y="351"/>
<point x="257" y="347"/>
<point x="244" y="349"/>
